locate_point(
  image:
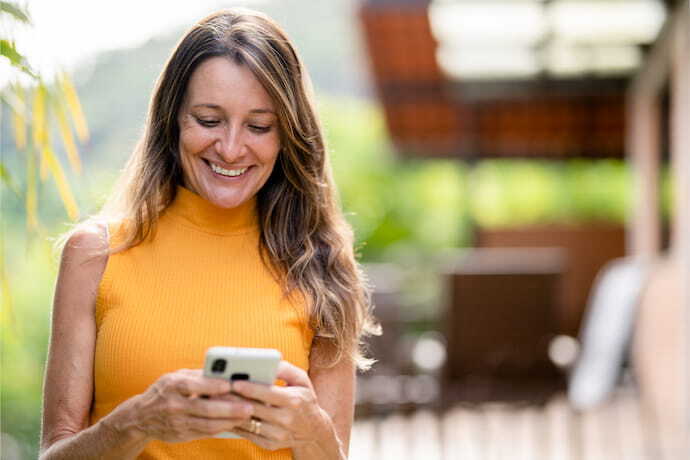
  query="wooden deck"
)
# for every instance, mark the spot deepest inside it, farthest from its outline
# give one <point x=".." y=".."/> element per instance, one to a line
<point x="616" y="431"/>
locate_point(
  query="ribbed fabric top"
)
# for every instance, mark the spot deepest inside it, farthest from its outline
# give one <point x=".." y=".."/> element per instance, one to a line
<point x="199" y="283"/>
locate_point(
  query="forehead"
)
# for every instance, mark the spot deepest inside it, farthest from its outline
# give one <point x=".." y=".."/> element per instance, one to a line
<point x="222" y="82"/>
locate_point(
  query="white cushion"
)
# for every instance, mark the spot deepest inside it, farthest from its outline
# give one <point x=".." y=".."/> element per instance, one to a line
<point x="606" y="331"/>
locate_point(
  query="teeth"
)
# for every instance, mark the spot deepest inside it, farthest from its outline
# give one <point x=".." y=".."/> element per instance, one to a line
<point x="228" y="172"/>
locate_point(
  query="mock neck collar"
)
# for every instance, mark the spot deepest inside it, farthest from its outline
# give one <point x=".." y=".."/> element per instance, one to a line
<point x="205" y="216"/>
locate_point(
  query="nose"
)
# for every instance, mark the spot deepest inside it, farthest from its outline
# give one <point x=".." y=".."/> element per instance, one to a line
<point x="230" y="145"/>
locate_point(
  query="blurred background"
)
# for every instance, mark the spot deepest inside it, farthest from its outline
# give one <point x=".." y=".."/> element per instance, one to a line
<point x="516" y="172"/>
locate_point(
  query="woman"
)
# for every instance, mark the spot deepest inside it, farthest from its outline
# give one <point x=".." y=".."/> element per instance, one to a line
<point x="223" y="230"/>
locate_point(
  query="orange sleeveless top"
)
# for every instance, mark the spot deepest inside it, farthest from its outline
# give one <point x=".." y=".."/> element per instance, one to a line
<point x="200" y="282"/>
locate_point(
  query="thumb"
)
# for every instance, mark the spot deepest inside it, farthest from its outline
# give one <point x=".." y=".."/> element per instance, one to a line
<point x="292" y="375"/>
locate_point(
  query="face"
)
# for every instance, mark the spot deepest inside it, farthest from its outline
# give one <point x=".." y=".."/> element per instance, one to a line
<point x="229" y="138"/>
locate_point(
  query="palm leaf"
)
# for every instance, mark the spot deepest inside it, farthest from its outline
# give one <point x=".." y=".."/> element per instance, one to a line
<point x="17" y="60"/>
<point x="9" y="50"/>
<point x="40" y="126"/>
<point x="14" y="10"/>
<point x="19" y="118"/>
<point x="61" y="183"/>
<point x="74" y="106"/>
<point x="6" y="178"/>
<point x="67" y="138"/>
<point x="7" y="323"/>
<point x="31" y="192"/>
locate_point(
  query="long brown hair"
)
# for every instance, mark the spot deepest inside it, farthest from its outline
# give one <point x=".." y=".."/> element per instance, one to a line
<point x="303" y="235"/>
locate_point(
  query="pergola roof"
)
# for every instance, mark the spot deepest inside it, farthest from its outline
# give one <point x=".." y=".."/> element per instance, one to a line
<point x="512" y="39"/>
<point x="522" y="78"/>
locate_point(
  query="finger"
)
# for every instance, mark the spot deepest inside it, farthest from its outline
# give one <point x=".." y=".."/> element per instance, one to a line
<point x="209" y="426"/>
<point x="272" y="414"/>
<point x="191" y="384"/>
<point x="268" y="394"/>
<point x="229" y="397"/>
<point x="293" y="375"/>
<point x="266" y="430"/>
<point x="219" y="409"/>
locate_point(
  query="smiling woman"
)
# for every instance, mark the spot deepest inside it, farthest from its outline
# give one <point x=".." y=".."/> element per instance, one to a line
<point x="224" y="230"/>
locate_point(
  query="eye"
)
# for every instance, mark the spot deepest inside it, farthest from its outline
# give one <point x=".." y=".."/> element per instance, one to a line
<point x="207" y="122"/>
<point x="259" y="128"/>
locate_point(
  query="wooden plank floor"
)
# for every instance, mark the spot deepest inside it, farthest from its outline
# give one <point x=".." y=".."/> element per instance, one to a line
<point x="615" y="431"/>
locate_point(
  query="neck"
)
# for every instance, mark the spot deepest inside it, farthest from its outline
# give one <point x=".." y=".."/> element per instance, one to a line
<point x="206" y="216"/>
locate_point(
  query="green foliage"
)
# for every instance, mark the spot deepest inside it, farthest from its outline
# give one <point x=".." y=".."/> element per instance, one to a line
<point x="391" y="203"/>
<point x="523" y="192"/>
<point x="15" y="11"/>
<point x="10" y="14"/>
<point x="26" y="278"/>
<point x="6" y="178"/>
<point x="24" y="337"/>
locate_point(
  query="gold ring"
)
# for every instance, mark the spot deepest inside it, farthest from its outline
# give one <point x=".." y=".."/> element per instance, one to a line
<point x="255" y="426"/>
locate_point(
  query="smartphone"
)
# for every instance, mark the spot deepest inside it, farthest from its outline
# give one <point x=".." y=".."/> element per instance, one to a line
<point x="230" y="363"/>
<point x="254" y="364"/>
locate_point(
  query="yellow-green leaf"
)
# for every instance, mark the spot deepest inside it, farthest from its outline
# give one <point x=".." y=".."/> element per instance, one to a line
<point x="7" y="315"/>
<point x="40" y="128"/>
<point x="67" y="138"/>
<point x="74" y="107"/>
<point x="43" y="172"/>
<point x="19" y="118"/>
<point x="31" y="200"/>
<point x="63" y="187"/>
<point x="19" y="130"/>
<point x="19" y="13"/>
<point x="9" y="51"/>
<point x="6" y="177"/>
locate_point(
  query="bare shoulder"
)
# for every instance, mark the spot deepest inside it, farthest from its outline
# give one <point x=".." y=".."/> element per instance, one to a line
<point x="83" y="262"/>
<point x="87" y="244"/>
<point x="88" y="235"/>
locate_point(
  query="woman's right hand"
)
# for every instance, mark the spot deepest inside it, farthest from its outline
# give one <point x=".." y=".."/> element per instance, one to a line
<point x="173" y="410"/>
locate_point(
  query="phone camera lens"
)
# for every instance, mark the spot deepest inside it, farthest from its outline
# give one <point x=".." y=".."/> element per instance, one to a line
<point x="218" y="366"/>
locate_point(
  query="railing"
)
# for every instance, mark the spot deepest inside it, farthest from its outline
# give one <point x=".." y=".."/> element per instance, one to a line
<point x="617" y="430"/>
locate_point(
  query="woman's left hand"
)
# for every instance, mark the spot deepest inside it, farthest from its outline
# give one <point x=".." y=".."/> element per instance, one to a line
<point x="284" y="417"/>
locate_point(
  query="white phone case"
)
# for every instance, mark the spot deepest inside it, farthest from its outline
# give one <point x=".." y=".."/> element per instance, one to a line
<point x="230" y="363"/>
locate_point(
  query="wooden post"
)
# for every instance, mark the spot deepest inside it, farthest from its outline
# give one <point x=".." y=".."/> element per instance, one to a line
<point x="680" y="157"/>
<point x="643" y="145"/>
<point x="668" y="62"/>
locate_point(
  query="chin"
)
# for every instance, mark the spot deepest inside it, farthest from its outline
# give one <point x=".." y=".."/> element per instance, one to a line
<point x="227" y="202"/>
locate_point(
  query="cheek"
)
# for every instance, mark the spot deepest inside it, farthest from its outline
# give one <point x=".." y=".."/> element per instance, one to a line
<point x="269" y="151"/>
<point x="270" y="158"/>
<point x="193" y="142"/>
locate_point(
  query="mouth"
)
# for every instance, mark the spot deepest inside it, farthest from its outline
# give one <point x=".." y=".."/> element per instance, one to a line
<point x="231" y="173"/>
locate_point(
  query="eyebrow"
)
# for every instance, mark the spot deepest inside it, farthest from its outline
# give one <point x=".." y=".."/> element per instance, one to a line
<point x="217" y="107"/>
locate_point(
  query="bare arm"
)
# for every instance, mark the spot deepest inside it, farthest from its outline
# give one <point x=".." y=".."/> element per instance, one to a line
<point x="68" y="386"/>
<point x="169" y="410"/>
<point x="335" y="392"/>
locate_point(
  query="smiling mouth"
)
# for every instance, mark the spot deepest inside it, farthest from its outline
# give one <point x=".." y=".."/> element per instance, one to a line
<point x="227" y="172"/>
